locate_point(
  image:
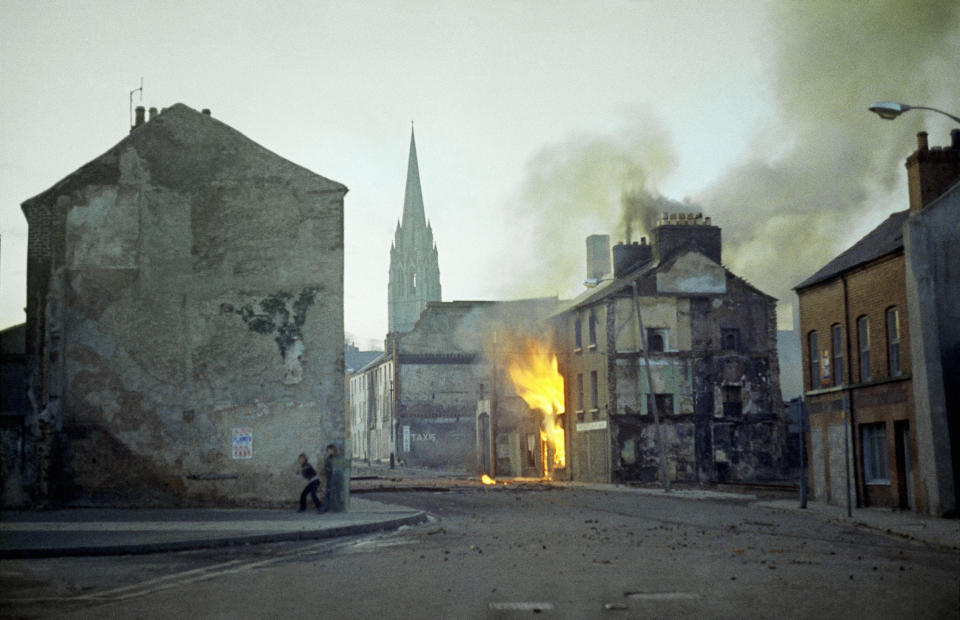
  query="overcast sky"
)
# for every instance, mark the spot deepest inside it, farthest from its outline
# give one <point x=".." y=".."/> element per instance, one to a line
<point x="532" y="119"/>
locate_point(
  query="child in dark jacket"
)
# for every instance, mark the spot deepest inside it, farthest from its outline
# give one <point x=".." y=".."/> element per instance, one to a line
<point x="313" y="483"/>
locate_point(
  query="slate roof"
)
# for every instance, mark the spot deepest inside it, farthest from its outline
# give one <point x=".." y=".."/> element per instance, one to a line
<point x="882" y="240"/>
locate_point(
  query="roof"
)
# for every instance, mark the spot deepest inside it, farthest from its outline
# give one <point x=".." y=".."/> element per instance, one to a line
<point x="188" y="151"/>
<point x="882" y="240"/>
<point x="615" y="286"/>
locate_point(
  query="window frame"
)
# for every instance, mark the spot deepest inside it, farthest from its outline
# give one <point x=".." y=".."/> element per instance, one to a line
<point x="813" y="349"/>
<point x="875" y="459"/>
<point x="836" y="346"/>
<point x="594" y="390"/>
<point x="726" y="332"/>
<point x="863" y="345"/>
<point x="577" y="333"/>
<point x="734" y="407"/>
<point x="579" y="391"/>
<point x="894" y="362"/>
<point x="592" y="330"/>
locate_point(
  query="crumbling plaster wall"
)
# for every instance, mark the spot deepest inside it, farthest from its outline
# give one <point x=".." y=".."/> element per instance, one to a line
<point x="197" y="298"/>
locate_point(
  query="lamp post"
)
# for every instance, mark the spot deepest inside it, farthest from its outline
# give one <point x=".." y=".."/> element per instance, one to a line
<point x="652" y="398"/>
<point x="890" y="110"/>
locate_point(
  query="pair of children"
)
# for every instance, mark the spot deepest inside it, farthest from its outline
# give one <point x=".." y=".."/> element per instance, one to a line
<point x="313" y="481"/>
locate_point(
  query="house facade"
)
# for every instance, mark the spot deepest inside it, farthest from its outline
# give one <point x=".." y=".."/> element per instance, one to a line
<point x="859" y="357"/>
<point x="184" y="332"/>
<point x="711" y="344"/>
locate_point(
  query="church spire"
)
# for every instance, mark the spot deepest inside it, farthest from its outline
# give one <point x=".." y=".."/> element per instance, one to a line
<point x="413" y="214"/>
<point x="414" y="270"/>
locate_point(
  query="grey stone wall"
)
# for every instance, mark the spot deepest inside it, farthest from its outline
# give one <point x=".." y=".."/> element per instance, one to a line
<point x="193" y="293"/>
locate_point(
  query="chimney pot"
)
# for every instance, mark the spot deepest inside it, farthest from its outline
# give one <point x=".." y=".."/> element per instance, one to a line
<point x="153" y="113"/>
<point x="206" y="111"/>
<point x="139" y="116"/>
<point x="922" y="141"/>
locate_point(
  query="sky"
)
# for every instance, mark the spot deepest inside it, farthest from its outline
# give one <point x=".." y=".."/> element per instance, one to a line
<point x="534" y="121"/>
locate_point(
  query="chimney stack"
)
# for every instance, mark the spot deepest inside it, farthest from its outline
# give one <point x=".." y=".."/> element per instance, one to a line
<point x="630" y="256"/>
<point x="153" y="113"/>
<point x="676" y="231"/>
<point x="206" y="111"/>
<point x="931" y="171"/>
<point x="598" y="256"/>
<point x="138" y="117"/>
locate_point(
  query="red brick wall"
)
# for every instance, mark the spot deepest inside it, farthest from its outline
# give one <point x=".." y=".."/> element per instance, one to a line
<point x="870" y="291"/>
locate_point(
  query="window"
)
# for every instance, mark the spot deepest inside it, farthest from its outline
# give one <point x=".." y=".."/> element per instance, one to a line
<point x="656" y="339"/>
<point x="732" y="400"/>
<point x="580" y="392"/>
<point x="814" y="351"/>
<point x="730" y="339"/>
<point x="836" y="343"/>
<point x="594" y="391"/>
<point x="664" y="404"/>
<point x="893" y="342"/>
<point x="577" y="334"/>
<point x="592" y="329"/>
<point x="863" y="337"/>
<point x="873" y="441"/>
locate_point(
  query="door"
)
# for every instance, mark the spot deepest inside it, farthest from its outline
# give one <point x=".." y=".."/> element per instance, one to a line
<point x="904" y="468"/>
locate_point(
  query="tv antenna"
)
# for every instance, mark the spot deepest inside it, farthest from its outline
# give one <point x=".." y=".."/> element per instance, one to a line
<point x="140" y="90"/>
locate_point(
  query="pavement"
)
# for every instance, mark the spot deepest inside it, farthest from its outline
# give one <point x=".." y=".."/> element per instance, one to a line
<point x="106" y="531"/>
<point x="898" y="523"/>
<point x="109" y="531"/>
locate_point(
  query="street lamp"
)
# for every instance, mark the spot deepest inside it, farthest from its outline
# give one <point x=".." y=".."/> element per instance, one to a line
<point x="890" y="110"/>
<point x="652" y="398"/>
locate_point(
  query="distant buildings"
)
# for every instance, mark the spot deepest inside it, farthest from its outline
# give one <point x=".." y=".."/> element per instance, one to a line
<point x="881" y="351"/>
<point x="184" y="333"/>
<point x="711" y="341"/>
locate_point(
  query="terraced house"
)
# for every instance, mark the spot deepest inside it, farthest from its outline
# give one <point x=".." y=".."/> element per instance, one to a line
<point x="881" y="348"/>
<point x="711" y="344"/>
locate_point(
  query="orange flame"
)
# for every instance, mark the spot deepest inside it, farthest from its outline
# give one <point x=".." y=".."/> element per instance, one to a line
<point x="487" y="479"/>
<point x="539" y="383"/>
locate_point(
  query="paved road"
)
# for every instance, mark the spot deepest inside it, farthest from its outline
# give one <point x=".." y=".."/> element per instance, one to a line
<point x="515" y="551"/>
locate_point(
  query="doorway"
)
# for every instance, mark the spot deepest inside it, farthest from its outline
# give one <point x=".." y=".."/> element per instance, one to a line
<point x="904" y="466"/>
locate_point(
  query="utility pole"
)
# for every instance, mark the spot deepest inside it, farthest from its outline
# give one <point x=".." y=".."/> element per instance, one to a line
<point x="846" y="447"/>
<point x="651" y="395"/>
<point x="803" y="452"/>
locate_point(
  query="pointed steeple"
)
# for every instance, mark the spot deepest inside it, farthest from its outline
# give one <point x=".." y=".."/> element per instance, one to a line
<point x="414" y="271"/>
<point x="413" y="214"/>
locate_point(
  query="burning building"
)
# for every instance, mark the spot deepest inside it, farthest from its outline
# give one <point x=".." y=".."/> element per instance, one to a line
<point x="710" y="339"/>
<point x="440" y="396"/>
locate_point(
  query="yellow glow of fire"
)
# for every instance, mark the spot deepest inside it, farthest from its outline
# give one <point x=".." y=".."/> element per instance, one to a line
<point x="487" y="479"/>
<point x="539" y="383"/>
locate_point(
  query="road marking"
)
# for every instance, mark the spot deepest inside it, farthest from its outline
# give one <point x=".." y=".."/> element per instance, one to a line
<point x="195" y="575"/>
<point x="521" y="606"/>
<point x="663" y="596"/>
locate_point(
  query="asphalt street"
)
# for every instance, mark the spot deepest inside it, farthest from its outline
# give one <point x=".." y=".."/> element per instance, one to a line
<point x="518" y="551"/>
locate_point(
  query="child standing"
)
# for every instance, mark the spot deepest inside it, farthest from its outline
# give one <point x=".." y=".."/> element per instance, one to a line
<point x="313" y="483"/>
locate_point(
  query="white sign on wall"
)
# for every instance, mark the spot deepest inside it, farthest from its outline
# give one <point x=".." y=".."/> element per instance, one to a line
<point x="243" y="443"/>
<point x="406" y="438"/>
<point x="591" y="426"/>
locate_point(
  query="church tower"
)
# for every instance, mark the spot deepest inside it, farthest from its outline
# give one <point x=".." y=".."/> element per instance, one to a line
<point x="414" y="270"/>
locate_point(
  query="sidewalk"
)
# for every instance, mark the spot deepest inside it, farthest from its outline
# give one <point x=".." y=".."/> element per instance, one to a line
<point x="904" y="524"/>
<point x="105" y="531"/>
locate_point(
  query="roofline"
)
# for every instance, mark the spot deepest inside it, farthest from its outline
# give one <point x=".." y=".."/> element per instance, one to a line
<point x="855" y="267"/>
